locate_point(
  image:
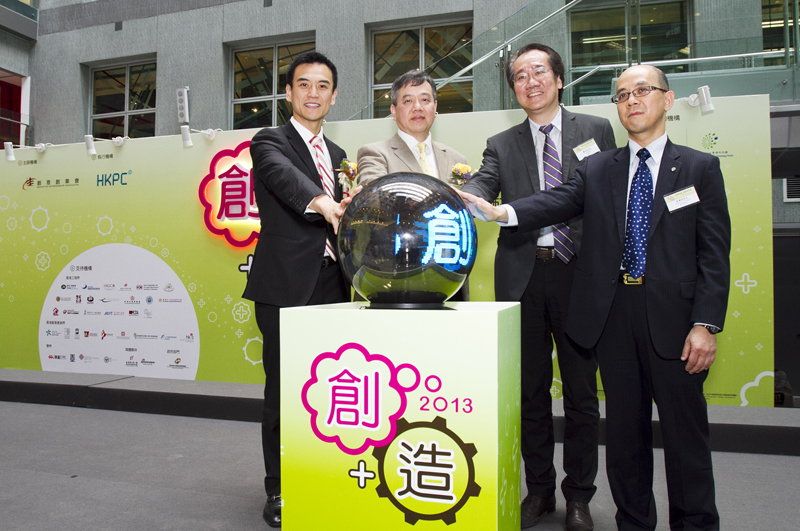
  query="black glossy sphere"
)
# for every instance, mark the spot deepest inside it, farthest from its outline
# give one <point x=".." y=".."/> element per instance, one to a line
<point x="407" y="239"/>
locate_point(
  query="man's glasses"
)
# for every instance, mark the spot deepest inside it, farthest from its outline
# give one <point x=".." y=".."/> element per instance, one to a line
<point x="639" y="92"/>
<point x="522" y="77"/>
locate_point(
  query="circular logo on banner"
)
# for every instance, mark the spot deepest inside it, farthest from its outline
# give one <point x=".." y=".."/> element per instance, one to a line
<point x="119" y="309"/>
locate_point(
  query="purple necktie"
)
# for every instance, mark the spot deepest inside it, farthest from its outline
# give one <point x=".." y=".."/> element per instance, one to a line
<point x="563" y="245"/>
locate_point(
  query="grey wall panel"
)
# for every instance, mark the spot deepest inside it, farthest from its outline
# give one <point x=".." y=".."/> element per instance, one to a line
<point x="15" y="54"/>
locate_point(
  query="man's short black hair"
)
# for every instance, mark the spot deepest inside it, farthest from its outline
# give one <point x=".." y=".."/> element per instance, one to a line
<point x="312" y="57"/>
<point x="556" y="63"/>
<point x="414" y="78"/>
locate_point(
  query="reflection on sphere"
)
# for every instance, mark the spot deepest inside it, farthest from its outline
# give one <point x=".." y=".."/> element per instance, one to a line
<point x="407" y="239"/>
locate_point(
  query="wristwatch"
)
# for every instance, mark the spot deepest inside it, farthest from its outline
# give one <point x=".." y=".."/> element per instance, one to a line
<point x="712" y="329"/>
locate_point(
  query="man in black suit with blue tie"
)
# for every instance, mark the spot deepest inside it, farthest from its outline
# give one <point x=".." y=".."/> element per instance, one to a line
<point x="295" y="262"/>
<point x="649" y="294"/>
<point x="536" y="269"/>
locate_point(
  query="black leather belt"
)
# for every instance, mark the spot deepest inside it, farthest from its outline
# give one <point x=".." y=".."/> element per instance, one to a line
<point x="625" y="278"/>
<point x="544" y="254"/>
<point x="327" y="261"/>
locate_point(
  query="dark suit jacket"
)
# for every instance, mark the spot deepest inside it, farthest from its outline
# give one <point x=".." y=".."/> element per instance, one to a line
<point x="291" y="243"/>
<point x="509" y="167"/>
<point x="688" y="268"/>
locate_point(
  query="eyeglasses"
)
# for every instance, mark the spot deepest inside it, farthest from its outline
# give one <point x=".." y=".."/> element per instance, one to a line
<point x="639" y="92"/>
<point x="522" y="77"/>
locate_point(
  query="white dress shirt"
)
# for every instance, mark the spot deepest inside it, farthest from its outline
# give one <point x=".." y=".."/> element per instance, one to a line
<point x="430" y="157"/>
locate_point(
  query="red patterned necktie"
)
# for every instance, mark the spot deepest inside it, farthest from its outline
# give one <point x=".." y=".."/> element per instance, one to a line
<point x="326" y="177"/>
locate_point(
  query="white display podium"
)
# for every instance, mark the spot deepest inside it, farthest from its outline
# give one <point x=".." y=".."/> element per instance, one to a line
<point x="399" y="418"/>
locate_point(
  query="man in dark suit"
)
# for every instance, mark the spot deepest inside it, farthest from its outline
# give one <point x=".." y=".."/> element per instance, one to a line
<point x="536" y="269"/>
<point x="295" y="259"/>
<point x="650" y="291"/>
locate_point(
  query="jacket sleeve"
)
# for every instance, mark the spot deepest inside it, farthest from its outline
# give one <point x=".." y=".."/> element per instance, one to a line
<point x="278" y="173"/>
<point x="371" y="164"/>
<point x="713" y="248"/>
<point x="485" y="182"/>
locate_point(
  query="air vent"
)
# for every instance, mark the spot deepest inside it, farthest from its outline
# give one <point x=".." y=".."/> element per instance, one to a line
<point x="791" y="189"/>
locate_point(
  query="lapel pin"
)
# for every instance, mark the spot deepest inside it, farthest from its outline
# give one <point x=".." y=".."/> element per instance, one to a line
<point x="672" y="169"/>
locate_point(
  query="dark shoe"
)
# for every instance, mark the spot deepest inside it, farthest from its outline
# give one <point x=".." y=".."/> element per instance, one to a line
<point x="534" y="507"/>
<point x="272" y="510"/>
<point x="578" y="517"/>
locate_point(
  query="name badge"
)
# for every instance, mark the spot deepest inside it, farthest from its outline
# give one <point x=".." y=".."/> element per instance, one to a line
<point x="587" y="148"/>
<point x="681" y="198"/>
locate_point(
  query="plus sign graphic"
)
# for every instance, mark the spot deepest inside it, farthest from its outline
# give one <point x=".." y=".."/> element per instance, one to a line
<point x="245" y="267"/>
<point x="745" y="283"/>
<point x="241" y="312"/>
<point x="361" y="473"/>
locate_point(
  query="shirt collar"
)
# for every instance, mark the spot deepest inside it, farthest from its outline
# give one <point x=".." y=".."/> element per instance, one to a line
<point x="305" y="134"/>
<point x="656" y="148"/>
<point x="556" y="121"/>
<point x="412" y="142"/>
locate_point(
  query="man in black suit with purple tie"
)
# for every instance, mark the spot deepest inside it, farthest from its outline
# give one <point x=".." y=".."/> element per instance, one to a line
<point x="295" y="261"/>
<point x="536" y="269"/>
<point x="649" y="294"/>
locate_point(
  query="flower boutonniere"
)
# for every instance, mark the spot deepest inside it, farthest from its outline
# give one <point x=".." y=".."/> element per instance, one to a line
<point x="348" y="175"/>
<point x="460" y="174"/>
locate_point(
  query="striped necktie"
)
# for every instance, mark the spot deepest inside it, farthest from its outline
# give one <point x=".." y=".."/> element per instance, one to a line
<point x="326" y="178"/>
<point x="562" y="244"/>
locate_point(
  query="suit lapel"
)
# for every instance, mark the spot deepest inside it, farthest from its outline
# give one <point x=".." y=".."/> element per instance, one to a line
<point x="443" y="163"/>
<point x="299" y="146"/>
<point x="569" y="139"/>
<point x="401" y="151"/>
<point x="618" y="173"/>
<point x="528" y="152"/>
<point x="668" y="172"/>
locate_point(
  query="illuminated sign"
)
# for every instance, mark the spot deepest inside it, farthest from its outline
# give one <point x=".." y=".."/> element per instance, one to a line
<point x="227" y="194"/>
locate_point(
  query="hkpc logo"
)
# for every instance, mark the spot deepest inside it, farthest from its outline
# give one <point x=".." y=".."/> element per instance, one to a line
<point x="227" y="194"/>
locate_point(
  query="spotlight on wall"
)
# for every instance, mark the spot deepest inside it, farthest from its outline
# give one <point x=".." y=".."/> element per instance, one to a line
<point x="89" y="141"/>
<point x="183" y="105"/>
<point x="702" y="98"/>
<point x="186" y="136"/>
<point x="9" y="147"/>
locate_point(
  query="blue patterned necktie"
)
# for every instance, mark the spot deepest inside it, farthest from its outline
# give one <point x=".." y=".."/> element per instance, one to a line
<point x="640" y="206"/>
<point x="562" y="244"/>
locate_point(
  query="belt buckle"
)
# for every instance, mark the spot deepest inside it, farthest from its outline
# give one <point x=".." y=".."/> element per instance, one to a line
<point x="632" y="281"/>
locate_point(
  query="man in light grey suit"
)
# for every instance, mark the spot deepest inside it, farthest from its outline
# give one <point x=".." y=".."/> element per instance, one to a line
<point x="536" y="269"/>
<point x="412" y="148"/>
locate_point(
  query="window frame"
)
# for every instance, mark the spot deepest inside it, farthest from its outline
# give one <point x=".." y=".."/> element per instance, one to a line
<point x="127" y="113"/>
<point x="374" y="87"/>
<point x="278" y="93"/>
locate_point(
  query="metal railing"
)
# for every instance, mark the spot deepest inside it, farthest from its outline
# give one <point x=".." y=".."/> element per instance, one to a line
<point x="671" y="62"/>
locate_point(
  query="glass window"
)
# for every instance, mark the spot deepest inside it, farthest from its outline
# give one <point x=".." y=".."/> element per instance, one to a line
<point x="259" y="85"/>
<point x="440" y="50"/>
<point x="124" y="101"/>
<point x="772" y="28"/>
<point x="598" y="37"/>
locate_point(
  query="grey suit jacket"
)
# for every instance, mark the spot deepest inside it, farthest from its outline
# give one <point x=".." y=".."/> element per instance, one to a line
<point x="381" y="158"/>
<point x="509" y="167"/>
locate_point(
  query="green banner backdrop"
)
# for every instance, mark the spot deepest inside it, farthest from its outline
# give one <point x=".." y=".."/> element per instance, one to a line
<point x="132" y="261"/>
